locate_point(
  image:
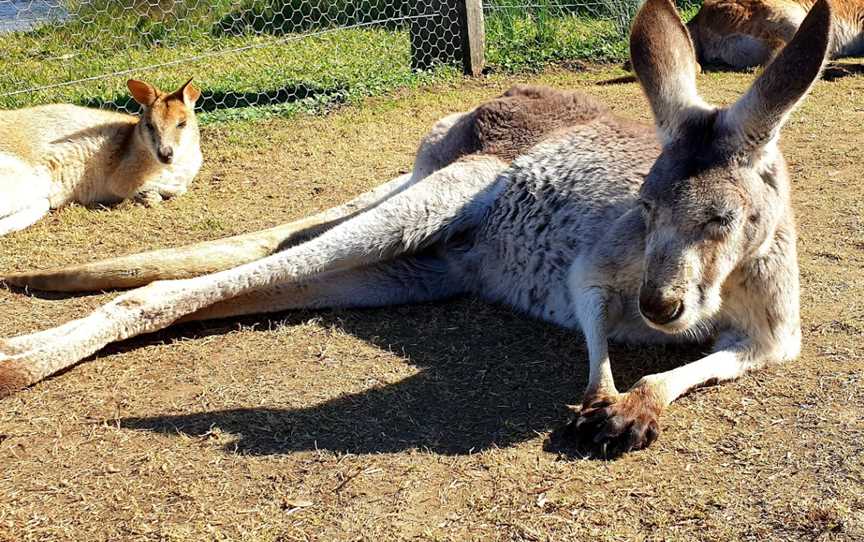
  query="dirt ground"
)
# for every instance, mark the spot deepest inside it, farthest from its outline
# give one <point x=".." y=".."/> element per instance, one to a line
<point x="427" y="422"/>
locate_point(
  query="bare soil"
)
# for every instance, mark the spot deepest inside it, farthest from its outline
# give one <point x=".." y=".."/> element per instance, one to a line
<point x="427" y="422"/>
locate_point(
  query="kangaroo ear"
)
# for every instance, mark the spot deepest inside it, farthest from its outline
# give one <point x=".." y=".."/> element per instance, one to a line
<point x="189" y="93"/>
<point x="144" y="93"/>
<point x="755" y="119"/>
<point x="663" y="58"/>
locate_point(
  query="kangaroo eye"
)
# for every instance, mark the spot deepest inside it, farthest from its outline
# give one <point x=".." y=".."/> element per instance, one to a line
<point x="720" y="221"/>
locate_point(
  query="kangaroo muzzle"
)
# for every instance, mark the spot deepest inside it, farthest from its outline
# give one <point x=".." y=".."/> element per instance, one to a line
<point x="658" y="306"/>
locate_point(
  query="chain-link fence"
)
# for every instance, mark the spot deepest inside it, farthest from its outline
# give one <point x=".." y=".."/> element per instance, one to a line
<point x="281" y="55"/>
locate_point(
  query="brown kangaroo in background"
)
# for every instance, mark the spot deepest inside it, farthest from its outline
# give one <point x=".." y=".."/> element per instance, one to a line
<point x="747" y="33"/>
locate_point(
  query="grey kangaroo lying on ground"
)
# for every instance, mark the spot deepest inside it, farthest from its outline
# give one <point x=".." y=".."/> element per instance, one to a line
<point x="541" y="200"/>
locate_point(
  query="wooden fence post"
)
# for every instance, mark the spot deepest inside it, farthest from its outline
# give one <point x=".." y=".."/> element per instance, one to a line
<point x="447" y="31"/>
<point x="473" y="37"/>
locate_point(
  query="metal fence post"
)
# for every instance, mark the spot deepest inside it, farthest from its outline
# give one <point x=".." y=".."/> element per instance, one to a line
<point x="447" y="31"/>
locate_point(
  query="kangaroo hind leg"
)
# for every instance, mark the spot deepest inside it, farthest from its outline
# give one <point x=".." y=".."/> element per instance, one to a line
<point x="415" y="219"/>
<point x="405" y="280"/>
<point x="25" y="217"/>
<point x="136" y="270"/>
<point x="742" y="51"/>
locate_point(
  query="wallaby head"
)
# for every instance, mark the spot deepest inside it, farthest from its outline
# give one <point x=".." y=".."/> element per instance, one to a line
<point x="718" y="192"/>
<point x="168" y="123"/>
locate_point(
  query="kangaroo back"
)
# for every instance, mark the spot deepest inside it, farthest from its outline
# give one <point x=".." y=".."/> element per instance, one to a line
<point x="525" y="115"/>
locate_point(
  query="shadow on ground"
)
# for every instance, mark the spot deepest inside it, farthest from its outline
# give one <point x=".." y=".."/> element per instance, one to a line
<point x="833" y="70"/>
<point x="489" y="378"/>
<point x="836" y="70"/>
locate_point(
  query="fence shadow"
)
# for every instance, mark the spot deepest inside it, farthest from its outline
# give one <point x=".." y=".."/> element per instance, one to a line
<point x="489" y="378"/>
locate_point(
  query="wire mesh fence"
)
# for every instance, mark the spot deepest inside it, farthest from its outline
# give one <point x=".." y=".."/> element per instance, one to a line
<point x="280" y="56"/>
<point x="530" y="34"/>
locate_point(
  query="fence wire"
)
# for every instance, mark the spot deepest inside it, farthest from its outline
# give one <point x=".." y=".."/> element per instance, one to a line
<point x="527" y="35"/>
<point x="277" y="55"/>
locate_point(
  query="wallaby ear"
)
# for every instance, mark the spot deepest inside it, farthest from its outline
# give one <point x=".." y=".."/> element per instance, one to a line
<point x="756" y="118"/>
<point x="189" y="93"/>
<point x="663" y="58"/>
<point x="144" y="93"/>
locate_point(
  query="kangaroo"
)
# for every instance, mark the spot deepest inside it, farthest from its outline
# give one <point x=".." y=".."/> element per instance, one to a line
<point x="748" y="33"/>
<point x="541" y="200"/>
<point x="54" y="155"/>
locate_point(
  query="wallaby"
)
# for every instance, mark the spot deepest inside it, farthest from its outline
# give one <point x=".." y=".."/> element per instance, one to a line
<point x="747" y="33"/>
<point x="541" y="200"/>
<point x="54" y="155"/>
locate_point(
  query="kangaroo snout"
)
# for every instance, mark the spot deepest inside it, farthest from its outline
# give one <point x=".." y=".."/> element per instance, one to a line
<point x="658" y="307"/>
<point x="166" y="155"/>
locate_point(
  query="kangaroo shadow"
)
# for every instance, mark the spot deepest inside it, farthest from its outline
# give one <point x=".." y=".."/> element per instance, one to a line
<point x="489" y="378"/>
<point x="832" y="72"/>
<point x="42" y="294"/>
<point x="836" y="70"/>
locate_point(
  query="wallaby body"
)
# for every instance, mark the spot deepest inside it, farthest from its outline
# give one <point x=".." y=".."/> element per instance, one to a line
<point x="54" y="155"/>
<point x="541" y="200"/>
<point x="747" y="33"/>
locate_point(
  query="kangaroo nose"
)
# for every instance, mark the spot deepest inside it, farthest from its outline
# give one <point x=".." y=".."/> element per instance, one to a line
<point x="657" y="308"/>
<point x="166" y="155"/>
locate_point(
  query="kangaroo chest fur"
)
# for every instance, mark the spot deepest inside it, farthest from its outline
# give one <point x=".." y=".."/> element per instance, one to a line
<point x="576" y="177"/>
<point x="555" y="206"/>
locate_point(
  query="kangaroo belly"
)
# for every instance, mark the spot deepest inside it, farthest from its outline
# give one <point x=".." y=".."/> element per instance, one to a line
<point x="557" y="203"/>
<point x="847" y="39"/>
<point x="744" y="34"/>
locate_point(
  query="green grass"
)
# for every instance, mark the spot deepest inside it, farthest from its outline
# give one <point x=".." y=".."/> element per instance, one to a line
<point x="287" y="65"/>
<point x="520" y="39"/>
<point x="554" y="31"/>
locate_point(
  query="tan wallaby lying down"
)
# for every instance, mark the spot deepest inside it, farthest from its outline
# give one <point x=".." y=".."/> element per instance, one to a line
<point x="541" y="200"/>
<point x="747" y="33"/>
<point x="54" y="155"/>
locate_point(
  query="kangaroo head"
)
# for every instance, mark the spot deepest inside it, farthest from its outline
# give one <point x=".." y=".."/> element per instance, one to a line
<point x="168" y="121"/>
<point x="719" y="189"/>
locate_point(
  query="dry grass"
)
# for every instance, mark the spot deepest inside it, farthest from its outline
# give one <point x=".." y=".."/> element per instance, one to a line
<point x="425" y="422"/>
